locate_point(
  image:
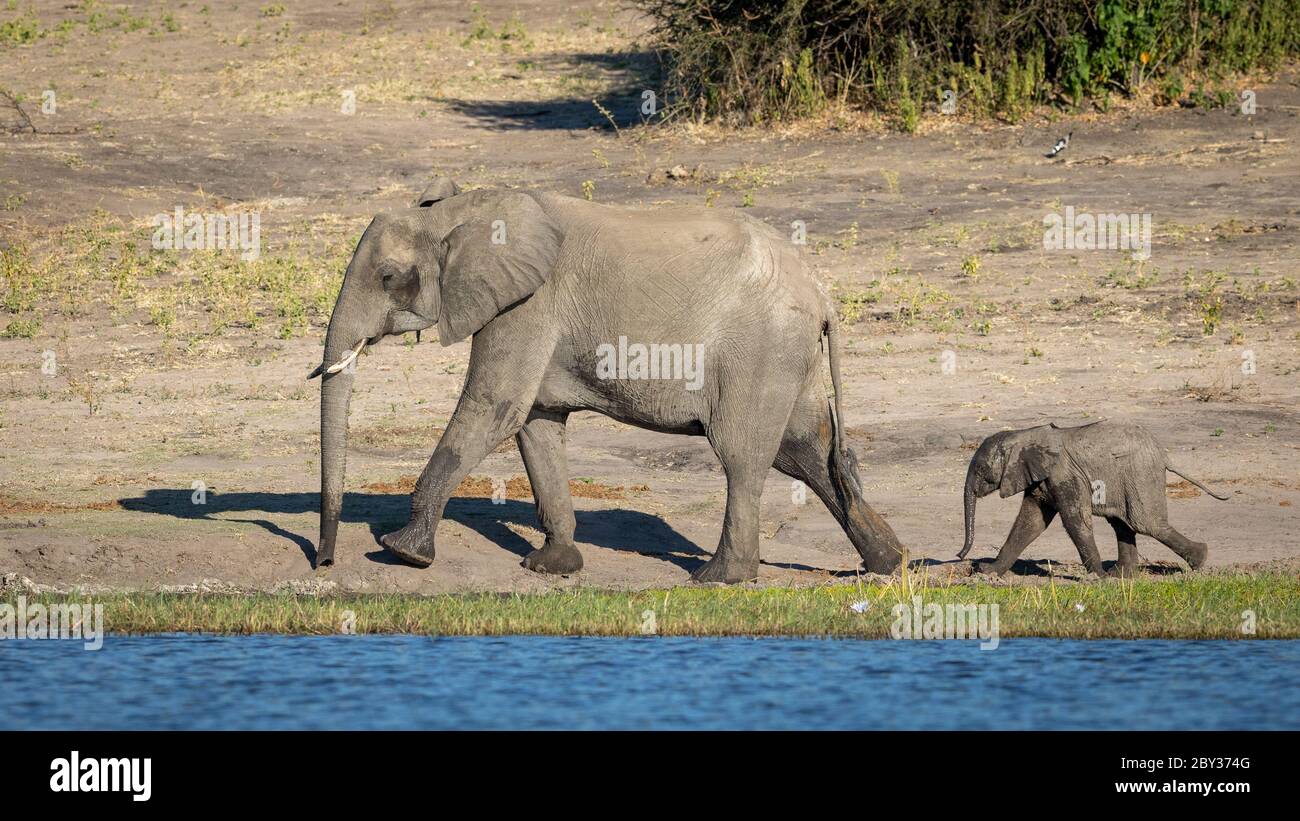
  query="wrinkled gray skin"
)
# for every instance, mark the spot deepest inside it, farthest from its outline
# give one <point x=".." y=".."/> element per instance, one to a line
<point x="1056" y="467"/>
<point x="569" y="276"/>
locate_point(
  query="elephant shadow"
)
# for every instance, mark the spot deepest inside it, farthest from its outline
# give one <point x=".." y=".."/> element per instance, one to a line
<point x="617" y="529"/>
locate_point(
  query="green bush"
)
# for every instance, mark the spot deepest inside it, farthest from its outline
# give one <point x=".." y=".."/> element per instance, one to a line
<point x="22" y="29"/>
<point x="763" y="60"/>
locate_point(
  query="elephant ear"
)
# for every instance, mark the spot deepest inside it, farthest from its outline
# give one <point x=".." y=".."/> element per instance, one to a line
<point x="501" y="253"/>
<point x="1025" y="467"/>
<point x="440" y="189"/>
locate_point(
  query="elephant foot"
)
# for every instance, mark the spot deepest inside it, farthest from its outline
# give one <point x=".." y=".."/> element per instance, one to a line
<point x="993" y="569"/>
<point x="412" y="544"/>
<point x="882" y="563"/>
<point x="726" y="570"/>
<point x="875" y="541"/>
<point x="1197" y="556"/>
<point x="1121" y="571"/>
<point x="557" y="558"/>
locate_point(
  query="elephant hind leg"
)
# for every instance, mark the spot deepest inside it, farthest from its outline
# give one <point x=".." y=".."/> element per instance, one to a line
<point x="1194" y="553"/>
<point x="1126" y="538"/>
<point x="806" y="455"/>
<point x="746" y="451"/>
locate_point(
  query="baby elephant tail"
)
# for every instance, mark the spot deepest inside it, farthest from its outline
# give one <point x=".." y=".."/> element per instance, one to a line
<point x="1175" y="470"/>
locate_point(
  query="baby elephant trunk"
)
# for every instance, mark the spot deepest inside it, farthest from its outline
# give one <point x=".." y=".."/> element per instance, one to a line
<point x="968" y="507"/>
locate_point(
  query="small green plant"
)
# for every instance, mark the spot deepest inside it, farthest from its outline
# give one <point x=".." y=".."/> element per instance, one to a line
<point x="970" y="267"/>
<point x="21" y="329"/>
<point x="588" y="189"/>
<point x="853" y="304"/>
<point x="909" y="110"/>
<point x="1134" y="279"/>
<point x="1208" y="303"/>
<point x="21" y="29"/>
<point x="850" y="237"/>
<point x="891" y="180"/>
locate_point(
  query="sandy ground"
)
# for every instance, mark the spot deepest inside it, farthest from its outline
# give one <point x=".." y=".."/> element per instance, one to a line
<point x="932" y="242"/>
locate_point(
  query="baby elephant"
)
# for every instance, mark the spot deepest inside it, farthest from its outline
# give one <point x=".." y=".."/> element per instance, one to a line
<point x="1105" y="469"/>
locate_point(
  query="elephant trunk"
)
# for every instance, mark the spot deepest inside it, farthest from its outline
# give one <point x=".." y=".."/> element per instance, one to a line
<point x="335" y="395"/>
<point x="968" y="507"/>
<point x="343" y="341"/>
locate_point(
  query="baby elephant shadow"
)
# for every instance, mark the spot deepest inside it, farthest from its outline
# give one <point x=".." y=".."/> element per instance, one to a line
<point x="617" y="529"/>
<point x="1044" y="568"/>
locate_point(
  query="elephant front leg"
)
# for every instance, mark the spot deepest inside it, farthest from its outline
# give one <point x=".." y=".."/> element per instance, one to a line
<point x="1076" y="515"/>
<point x="542" y="443"/>
<point x="475" y="429"/>
<point x="1031" y="521"/>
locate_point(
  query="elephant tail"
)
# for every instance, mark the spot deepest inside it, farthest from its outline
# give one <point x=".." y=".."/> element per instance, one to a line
<point x="844" y="463"/>
<point x="1178" y="472"/>
<point x="831" y="331"/>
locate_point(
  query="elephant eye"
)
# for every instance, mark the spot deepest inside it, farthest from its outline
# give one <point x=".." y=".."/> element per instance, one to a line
<point x="396" y="279"/>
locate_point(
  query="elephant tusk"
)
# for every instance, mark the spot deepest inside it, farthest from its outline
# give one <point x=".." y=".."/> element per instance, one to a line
<point x="347" y="360"/>
<point x="320" y="369"/>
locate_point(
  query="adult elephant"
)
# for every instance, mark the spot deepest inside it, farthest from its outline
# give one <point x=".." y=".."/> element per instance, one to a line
<point x="685" y="321"/>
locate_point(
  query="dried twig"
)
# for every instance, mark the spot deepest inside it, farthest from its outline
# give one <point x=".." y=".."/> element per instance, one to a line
<point x="13" y="101"/>
<point x="17" y="106"/>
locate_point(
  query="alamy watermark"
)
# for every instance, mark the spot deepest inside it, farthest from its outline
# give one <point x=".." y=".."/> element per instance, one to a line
<point x="53" y="621"/>
<point x="676" y="361"/>
<point x="211" y="232"/>
<point x="77" y="774"/>
<point x="1092" y="232"/>
<point x="950" y="621"/>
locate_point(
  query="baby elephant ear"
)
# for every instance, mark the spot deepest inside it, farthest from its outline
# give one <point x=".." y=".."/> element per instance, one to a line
<point x="504" y="249"/>
<point x="440" y="189"/>
<point x="1026" y="466"/>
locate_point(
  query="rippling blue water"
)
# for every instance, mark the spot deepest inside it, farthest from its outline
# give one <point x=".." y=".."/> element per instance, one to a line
<point x="380" y="682"/>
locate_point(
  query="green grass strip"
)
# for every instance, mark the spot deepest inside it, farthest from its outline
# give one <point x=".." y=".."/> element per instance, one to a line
<point x="1195" y="606"/>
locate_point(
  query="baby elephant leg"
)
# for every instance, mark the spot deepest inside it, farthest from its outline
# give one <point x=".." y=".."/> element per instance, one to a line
<point x="1077" y="518"/>
<point x="1128" y="552"/>
<point x="1033" y="519"/>
<point x="1194" y="553"/>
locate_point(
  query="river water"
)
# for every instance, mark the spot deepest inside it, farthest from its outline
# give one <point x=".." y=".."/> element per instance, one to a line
<point x="535" y="682"/>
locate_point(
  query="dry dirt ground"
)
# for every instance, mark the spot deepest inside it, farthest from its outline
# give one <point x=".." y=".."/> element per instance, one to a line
<point x="171" y="369"/>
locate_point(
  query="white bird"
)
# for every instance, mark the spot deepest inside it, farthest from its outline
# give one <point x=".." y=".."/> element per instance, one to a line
<point x="1060" y="146"/>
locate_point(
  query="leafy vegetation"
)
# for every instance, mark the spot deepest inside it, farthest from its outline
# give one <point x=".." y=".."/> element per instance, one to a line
<point x="784" y="59"/>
